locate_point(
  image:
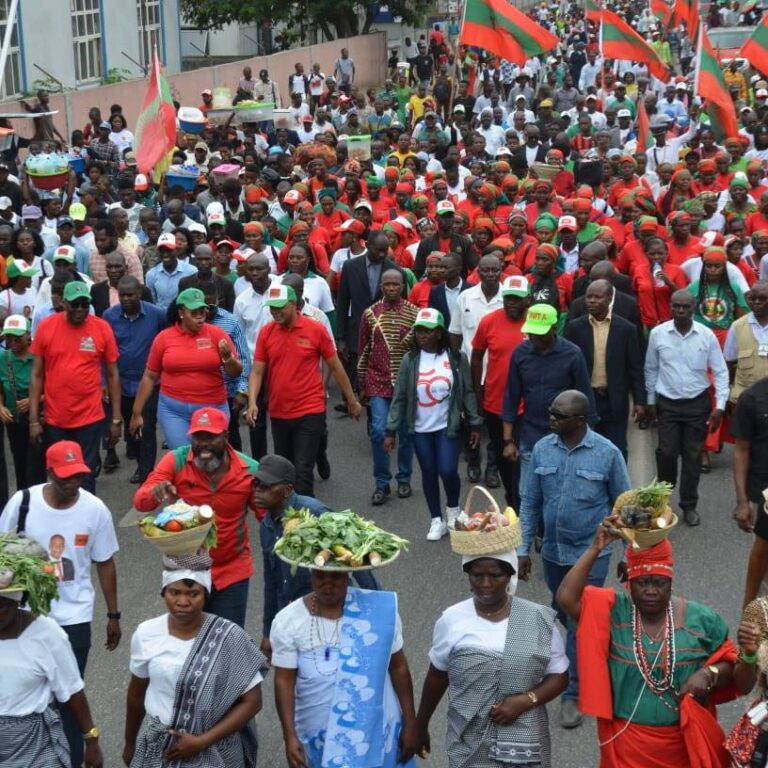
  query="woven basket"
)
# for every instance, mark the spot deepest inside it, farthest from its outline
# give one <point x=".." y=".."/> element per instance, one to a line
<point x="185" y="542"/>
<point x="503" y="539"/>
<point x="640" y="539"/>
<point x="544" y="171"/>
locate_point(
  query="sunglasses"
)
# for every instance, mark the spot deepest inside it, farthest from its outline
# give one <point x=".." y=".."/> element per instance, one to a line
<point x="80" y="304"/>
<point x="558" y="416"/>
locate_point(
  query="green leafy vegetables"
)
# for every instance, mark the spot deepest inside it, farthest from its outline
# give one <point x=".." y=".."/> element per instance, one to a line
<point x="24" y="565"/>
<point x="335" y="539"/>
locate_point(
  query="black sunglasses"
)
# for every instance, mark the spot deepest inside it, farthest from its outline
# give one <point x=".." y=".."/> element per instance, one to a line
<point x="80" y="304"/>
<point x="558" y="416"/>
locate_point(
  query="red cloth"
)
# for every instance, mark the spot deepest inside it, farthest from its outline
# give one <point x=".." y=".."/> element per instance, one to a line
<point x="230" y="498"/>
<point x="292" y="356"/>
<point x="419" y="294"/>
<point x="679" y="254"/>
<point x="73" y="356"/>
<point x="190" y="365"/>
<point x="654" y="561"/>
<point x="654" y="300"/>
<point x="754" y="222"/>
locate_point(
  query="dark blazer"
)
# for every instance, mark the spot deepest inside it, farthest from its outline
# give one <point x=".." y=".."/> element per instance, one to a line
<point x="354" y="297"/>
<point x="621" y="283"/>
<point x="459" y="244"/>
<point x="622" y="361"/>
<point x="100" y="297"/>
<point x="519" y="158"/>
<point x="438" y="301"/>
<point x="225" y="289"/>
<point x="623" y="305"/>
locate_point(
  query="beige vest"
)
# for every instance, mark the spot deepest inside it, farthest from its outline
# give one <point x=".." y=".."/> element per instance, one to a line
<point x="750" y="368"/>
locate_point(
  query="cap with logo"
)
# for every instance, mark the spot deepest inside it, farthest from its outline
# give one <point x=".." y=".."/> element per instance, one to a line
<point x="540" y="319"/>
<point x="217" y="218"/>
<point x="191" y="298"/>
<point x="65" y="253"/>
<point x="351" y="225"/>
<point x="429" y="318"/>
<point x="78" y="212"/>
<point x="280" y="295"/>
<point x="623" y="113"/>
<point x="567" y="223"/>
<point x="761" y="93"/>
<point x="65" y="459"/>
<point x="15" y="325"/>
<point x="130" y="159"/>
<point x="166" y="240"/>
<point x="77" y="289"/>
<point x="364" y="203"/>
<point x="516" y="285"/>
<point x="209" y="420"/>
<point x="459" y="108"/>
<point x="140" y="183"/>
<point x="293" y="196"/>
<point x="243" y="253"/>
<point x="444" y="207"/>
<point x="20" y="268"/>
<point x="275" y="470"/>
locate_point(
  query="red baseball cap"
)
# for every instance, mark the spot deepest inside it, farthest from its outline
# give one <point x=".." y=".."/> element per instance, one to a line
<point x="65" y="459"/>
<point x="351" y="225"/>
<point x="208" y="420"/>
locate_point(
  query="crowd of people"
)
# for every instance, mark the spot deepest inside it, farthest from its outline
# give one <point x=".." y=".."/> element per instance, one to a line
<point x="504" y="271"/>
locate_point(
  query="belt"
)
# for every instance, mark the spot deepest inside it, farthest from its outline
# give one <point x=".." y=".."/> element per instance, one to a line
<point x="600" y="391"/>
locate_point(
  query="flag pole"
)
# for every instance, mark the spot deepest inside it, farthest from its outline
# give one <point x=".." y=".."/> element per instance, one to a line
<point x="697" y="73"/>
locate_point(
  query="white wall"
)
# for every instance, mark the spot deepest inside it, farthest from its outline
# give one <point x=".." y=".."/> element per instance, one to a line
<point x="46" y="40"/>
<point x="120" y="32"/>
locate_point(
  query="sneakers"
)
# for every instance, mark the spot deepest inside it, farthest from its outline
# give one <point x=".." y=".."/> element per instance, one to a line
<point x="570" y="717"/>
<point x="451" y="513"/>
<point x="437" y="529"/>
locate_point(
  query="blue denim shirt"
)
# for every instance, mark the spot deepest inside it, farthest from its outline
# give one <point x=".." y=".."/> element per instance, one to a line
<point x="573" y="490"/>
<point x="281" y="587"/>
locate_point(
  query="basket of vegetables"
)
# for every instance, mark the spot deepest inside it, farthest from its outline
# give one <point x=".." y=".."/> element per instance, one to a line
<point x="645" y="515"/>
<point x="254" y="111"/>
<point x="482" y="528"/>
<point x="336" y="541"/>
<point x="26" y="567"/>
<point x="180" y="528"/>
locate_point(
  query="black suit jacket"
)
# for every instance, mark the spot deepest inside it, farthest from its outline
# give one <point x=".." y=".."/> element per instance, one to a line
<point x="621" y="283"/>
<point x="623" y="360"/>
<point x="354" y="297"/>
<point x="519" y="159"/>
<point x="225" y="289"/>
<point x="100" y="297"/>
<point x="459" y="244"/>
<point x="438" y="301"/>
<point x="623" y="305"/>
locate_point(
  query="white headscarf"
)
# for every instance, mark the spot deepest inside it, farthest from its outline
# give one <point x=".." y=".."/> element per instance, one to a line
<point x="201" y="577"/>
<point x="504" y="557"/>
<point x="196" y="567"/>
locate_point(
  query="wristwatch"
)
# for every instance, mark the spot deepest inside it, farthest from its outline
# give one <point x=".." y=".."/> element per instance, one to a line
<point x="117" y="421"/>
<point x="94" y="733"/>
<point x="115" y="615"/>
<point x="534" y="699"/>
<point x="715" y="672"/>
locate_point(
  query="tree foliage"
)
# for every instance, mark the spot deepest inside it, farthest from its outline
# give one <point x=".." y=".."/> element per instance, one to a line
<point x="337" y="18"/>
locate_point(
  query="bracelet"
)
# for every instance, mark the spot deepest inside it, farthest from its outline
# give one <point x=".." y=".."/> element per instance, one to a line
<point x="534" y="698"/>
<point x="34" y="423"/>
<point x="116" y="616"/>
<point x="747" y="658"/>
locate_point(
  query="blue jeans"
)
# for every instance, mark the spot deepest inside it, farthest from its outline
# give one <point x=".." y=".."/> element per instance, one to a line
<point x="230" y="603"/>
<point x="381" y="467"/>
<point x="80" y="639"/>
<point x="554" y="575"/>
<point x="438" y="457"/>
<point x="174" y="417"/>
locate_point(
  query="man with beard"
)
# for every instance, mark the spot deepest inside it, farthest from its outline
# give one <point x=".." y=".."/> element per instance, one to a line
<point x="210" y="471"/>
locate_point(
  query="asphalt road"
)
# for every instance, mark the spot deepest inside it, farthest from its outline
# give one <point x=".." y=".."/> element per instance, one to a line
<point x="710" y="568"/>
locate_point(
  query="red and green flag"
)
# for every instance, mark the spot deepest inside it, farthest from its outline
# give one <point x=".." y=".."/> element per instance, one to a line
<point x="662" y="12"/>
<point x="619" y="41"/>
<point x="502" y="29"/>
<point x="645" y="138"/>
<point x="710" y="86"/>
<point x="687" y="12"/>
<point x="155" y="133"/>
<point x="755" y="49"/>
<point x="592" y="10"/>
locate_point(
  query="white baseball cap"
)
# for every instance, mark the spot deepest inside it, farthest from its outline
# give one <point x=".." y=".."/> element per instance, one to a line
<point x="443" y="207"/>
<point x="15" y="325"/>
<point x="166" y="240"/>
<point x="567" y="222"/>
<point x="516" y="285"/>
<point x="65" y="253"/>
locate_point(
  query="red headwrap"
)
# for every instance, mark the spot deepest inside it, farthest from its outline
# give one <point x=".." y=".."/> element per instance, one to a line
<point x="548" y="249"/>
<point x="715" y="254"/>
<point x="657" y="560"/>
<point x="707" y="165"/>
<point x="582" y="204"/>
<point x="403" y="188"/>
<point x="391" y="172"/>
<point x="483" y="222"/>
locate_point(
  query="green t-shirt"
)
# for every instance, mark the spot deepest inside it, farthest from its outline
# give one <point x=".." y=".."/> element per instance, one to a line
<point x="717" y="310"/>
<point x="21" y="368"/>
<point x="697" y="635"/>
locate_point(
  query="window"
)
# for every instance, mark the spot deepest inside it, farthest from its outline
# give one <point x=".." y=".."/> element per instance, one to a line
<point x="86" y="39"/>
<point x="148" y="14"/>
<point x="11" y="83"/>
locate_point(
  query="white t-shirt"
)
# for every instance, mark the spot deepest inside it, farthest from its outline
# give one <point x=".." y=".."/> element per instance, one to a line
<point x="89" y="537"/>
<point x="317" y="293"/>
<point x="158" y="655"/>
<point x="341" y="256"/>
<point x="35" y="668"/>
<point x="460" y="626"/>
<point x="14" y="303"/>
<point x="316" y="82"/>
<point x="433" y="392"/>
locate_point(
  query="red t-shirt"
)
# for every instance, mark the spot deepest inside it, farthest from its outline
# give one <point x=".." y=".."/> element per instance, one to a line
<point x="292" y="356"/>
<point x="73" y="356"/>
<point x="654" y="300"/>
<point x="499" y="336"/>
<point x="756" y="221"/>
<point x="190" y="366"/>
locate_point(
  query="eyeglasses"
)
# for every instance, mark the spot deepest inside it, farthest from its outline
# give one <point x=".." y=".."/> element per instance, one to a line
<point x="558" y="416"/>
<point x="80" y="304"/>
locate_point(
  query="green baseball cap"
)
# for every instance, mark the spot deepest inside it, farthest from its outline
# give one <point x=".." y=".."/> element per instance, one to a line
<point x="280" y="295"/>
<point x="19" y="268"/>
<point x="429" y="318"/>
<point x="76" y="290"/>
<point x="540" y="319"/>
<point x="191" y="298"/>
<point x="78" y="212"/>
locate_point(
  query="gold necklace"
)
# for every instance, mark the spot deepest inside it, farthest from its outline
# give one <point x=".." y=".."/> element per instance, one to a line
<point x="503" y="608"/>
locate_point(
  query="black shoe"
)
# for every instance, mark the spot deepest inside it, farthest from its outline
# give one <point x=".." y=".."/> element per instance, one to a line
<point x="111" y="462"/>
<point x="492" y="477"/>
<point x="340" y="408"/>
<point x="404" y="490"/>
<point x="130" y="453"/>
<point x="136" y="478"/>
<point x="323" y="466"/>
<point x="692" y="517"/>
<point x="380" y="496"/>
<point x="474" y="473"/>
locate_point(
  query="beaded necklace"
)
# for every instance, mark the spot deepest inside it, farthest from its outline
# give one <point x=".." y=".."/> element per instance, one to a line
<point x="326" y="642"/>
<point x="657" y="685"/>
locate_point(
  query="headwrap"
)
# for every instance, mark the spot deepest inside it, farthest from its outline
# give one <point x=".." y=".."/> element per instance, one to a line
<point x="758" y="233"/>
<point x="627" y="201"/>
<point x="501" y="166"/>
<point x="714" y="254"/>
<point x="647" y="224"/>
<point x="707" y="164"/>
<point x="605" y="235"/>
<point x="657" y="560"/>
<point x="510" y="180"/>
<point x="585" y="192"/>
<point x="505" y="557"/>
<point x="546" y="221"/>
<point x="582" y="204"/>
<point x="393" y="226"/>
<point x="679" y="174"/>
<point x="556" y="153"/>
<point x="739" y="181"/>
<point x="542" y="183"/>
<point x="304" y="205"/>
<point x="434" y="256"/>
<point x="548" y="249"/>
<point x="483" y="222"/>
<point x="679" y="217"/>
<point x="407" y="175"/>
<point x="253" y="226"/>
<point x="195" y="567"/>
<point x="373" y="181"/>
<point x="645" y="202"/>
<point x="391" y="173"/>
<point x="628" y="159"/>
<point x="327" y="192"/>
<point x="403" y="188"/>
<point x="755" y="165"/>
<point x="488" y="190"/>
<point x="253" y="194"/>
<point x="732" y="240"/>
<point x="298" y="226"/>
<point x="301" y="187"/>
<point x="517" y="215"/>
<point x="694" y="206"/>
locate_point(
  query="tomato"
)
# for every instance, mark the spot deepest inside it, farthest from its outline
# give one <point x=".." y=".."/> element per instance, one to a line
<point x="479" y="516"/>
<point x="174" y="526"/>
<point x="49" y="568"/>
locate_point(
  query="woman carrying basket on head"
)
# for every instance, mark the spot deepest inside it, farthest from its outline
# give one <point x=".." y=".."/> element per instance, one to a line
<point x="652" y="665"/>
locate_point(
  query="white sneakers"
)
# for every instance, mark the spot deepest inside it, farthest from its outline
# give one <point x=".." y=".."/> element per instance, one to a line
<point x="437" y="529"/>
<point x="451" y="513"/>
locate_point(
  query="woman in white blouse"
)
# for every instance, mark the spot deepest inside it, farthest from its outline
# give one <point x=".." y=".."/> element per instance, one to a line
<point x="501" y="659"/>
<point x="195" y="680"/>
<point x="120" y="135"/>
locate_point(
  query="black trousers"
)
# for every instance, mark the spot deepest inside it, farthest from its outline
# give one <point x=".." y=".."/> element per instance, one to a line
<point x="474" y="455"/>
<point x="258" y="434"/>
<point x="144" y="447"/>
<point x="299" y="441"/>
<point x="28" y="458"/>
<point x="611" y="425"/>
<point x="234" y="427"/>
<point x="509" y="471"/>
<point x="682" y="432"/>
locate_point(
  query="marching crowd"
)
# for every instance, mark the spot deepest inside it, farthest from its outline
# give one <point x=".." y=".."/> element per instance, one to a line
<point x="504" y="271"/>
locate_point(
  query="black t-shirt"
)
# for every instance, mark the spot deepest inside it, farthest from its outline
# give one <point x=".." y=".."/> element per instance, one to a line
<point x="423" y="65"/>
<point x="750" y="422"/>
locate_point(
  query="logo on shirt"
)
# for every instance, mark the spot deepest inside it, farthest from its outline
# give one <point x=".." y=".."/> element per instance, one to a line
<point x="87" y="344"/>
<point x="203" y="343"/>
<point x="303" y="341"/>
<point x="81" y="539"/>
<point x="427" y="380"/>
